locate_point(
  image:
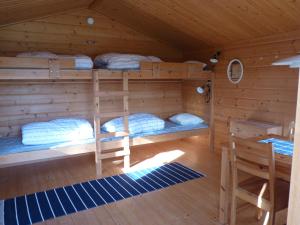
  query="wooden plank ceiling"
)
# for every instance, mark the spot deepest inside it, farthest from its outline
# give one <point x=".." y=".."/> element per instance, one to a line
<point x="214" y="22"/>
<point x="188" y="24"/>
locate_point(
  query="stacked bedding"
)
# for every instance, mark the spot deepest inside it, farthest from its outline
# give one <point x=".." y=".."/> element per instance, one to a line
<point x="81" y="61"/>
<point x="122" y="61"/>
<point x="203" y="65"/>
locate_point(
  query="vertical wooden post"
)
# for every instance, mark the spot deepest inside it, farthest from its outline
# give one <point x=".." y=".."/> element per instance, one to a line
<point x="212" y="112"/>
<point x="224" y="188"/>
<point x="126" y="147"/>
<point x="97" y="123"/>
<point x="294" y="200"/>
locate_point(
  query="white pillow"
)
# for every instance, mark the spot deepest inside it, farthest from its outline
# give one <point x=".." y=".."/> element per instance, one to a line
<point x="186" y="119"/>
<point x="55" y="131"/>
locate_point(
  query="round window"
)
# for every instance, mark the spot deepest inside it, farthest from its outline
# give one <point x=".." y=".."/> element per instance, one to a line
<point x="235" y="71"/>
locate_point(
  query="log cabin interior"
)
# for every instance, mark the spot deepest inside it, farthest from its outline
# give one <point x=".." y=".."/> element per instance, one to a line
<point x="149" y="112"/>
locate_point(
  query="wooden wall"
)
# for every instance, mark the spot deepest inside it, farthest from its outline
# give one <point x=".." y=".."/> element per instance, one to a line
<point x="192" y="101"/>
<point x="21" y="103"/>
<point x="69" y="33"/>
<point x="266" y="92"/>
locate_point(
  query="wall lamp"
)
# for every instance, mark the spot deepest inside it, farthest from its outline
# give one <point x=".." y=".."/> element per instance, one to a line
<point x="205" y="90"/>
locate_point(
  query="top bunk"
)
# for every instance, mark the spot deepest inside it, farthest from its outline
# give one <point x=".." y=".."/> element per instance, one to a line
<point x="82" y="68"/>
<point x="27" y="68"/>
<point x="157" y="70"/>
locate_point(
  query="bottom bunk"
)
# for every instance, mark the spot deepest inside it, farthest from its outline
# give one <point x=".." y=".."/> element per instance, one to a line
<point x="13" y="152"/>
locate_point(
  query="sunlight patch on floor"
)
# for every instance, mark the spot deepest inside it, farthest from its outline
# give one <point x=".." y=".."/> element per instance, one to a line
<point x="141" y="169"/>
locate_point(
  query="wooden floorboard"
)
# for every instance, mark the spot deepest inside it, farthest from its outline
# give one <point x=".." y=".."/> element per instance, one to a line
<point x="193" y="202"/>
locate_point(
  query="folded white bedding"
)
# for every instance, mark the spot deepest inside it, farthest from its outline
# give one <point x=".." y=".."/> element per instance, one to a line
<point x="196" y="62"/>
<point x="81" y="61"/>
<point x="55" y="131"/>
<point x="122" y="61"/>
<point x="37" y="55"/>
<point x="138" y="123"/>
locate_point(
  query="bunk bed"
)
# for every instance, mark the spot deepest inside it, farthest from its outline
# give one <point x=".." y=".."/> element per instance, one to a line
<point x="19" y="69"/>
<point x="22" y="68"/>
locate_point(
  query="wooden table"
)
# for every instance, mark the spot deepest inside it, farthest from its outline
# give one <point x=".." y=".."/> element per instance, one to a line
<point x="283" y="171"/>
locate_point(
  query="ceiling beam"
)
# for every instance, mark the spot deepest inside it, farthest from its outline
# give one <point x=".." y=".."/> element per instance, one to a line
<point x="145" y="23"/>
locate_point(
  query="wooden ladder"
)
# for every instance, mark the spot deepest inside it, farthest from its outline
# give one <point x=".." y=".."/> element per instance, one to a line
<point x="98" y="115"/>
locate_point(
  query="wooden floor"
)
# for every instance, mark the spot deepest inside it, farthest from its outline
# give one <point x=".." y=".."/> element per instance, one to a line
<point x="193" y="202"/>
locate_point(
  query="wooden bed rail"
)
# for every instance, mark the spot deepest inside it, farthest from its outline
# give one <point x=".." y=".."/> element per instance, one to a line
<point x="35" y="63"/>
<point x="17" y="68"/>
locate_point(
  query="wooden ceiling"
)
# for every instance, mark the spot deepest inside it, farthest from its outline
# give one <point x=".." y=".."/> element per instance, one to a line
<point x="12" y="11"/>
<point x="188" y="24"/>
<point x="213" y="22"/>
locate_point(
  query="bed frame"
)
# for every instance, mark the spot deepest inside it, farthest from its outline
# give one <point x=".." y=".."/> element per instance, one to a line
<point x="14" y="68"/>
<point x="17" y="68"/>
<point x="23" y="158"/>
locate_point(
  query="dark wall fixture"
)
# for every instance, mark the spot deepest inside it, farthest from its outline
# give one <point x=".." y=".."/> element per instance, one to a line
<point x="213" y="61"/>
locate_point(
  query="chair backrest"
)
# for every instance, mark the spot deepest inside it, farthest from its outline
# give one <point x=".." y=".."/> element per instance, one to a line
<point x="254" y="158"/>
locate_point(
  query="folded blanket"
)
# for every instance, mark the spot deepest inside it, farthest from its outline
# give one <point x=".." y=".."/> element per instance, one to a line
<point x="196" y="62"/>
<point x="122" y="61"/>
<point x="81" y="61"/>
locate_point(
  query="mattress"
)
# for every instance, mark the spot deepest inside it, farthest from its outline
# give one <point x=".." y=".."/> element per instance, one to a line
<point x="11" y="145"/>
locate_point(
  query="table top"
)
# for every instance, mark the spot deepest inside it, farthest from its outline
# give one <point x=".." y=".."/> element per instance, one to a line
<point x="283" y="147"/>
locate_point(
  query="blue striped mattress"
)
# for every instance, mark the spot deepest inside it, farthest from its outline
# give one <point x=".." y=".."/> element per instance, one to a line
<point x="11" y="145"/>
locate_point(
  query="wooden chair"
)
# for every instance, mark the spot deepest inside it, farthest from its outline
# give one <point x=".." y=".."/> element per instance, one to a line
<point x="256" y="159"/>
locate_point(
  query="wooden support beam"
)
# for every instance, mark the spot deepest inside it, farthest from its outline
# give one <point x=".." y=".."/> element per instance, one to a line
<point x="111" y="93"/>
<point x="294" y="200"/>
<point x="112" y="134"/>
<point x="110" y="114"/>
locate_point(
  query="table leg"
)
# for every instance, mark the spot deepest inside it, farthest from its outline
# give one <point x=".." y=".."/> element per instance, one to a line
<point x="224" y="188"/>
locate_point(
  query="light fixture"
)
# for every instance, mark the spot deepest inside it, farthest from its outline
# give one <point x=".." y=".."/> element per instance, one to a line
<point x="90" y="21"/>
<point x="215" y="58"/>
<point x="205" y="91"/>
<point x="200" y="90"/>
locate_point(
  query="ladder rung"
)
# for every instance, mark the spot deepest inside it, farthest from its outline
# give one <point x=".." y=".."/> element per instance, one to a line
<point x="113" y="154"/>
<point x="110" y="114"/>
<point x="111" y="93"/>
<point x="112" y="134"/>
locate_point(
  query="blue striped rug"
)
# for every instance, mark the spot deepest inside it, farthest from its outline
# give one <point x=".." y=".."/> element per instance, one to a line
<point x="41" y="206"/>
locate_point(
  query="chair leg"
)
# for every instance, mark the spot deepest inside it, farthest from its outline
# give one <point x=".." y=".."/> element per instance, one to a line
<point x="233" y="210"/>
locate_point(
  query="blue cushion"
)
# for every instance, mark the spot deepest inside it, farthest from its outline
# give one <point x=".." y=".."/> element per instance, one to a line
<point x="186" y="119"/>
<point x="138" y="123"/>
<point x="54" y="131"/>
